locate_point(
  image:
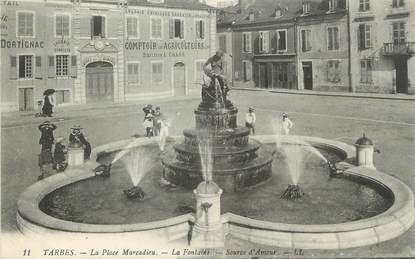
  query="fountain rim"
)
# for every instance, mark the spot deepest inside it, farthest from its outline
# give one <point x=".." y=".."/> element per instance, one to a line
<point x="401" y="213"/>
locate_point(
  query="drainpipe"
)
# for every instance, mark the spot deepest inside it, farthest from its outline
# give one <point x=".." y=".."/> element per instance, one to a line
<point x="351" y="88"/>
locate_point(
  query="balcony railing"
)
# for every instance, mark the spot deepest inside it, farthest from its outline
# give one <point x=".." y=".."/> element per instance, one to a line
<point x="404" y="49"/>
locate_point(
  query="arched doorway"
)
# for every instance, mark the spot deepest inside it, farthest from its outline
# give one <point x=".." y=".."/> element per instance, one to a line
<point x="99" y="82"/>
<point x="179" y="79"/>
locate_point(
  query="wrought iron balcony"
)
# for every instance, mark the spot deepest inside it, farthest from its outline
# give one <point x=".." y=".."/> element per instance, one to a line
<point x="399" y="49"/>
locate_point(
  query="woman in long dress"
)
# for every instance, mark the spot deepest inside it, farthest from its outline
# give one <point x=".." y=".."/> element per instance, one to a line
<point x="48" y="104"/>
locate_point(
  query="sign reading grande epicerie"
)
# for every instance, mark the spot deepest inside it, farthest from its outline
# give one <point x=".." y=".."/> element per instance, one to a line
<point x="168" y="45"/>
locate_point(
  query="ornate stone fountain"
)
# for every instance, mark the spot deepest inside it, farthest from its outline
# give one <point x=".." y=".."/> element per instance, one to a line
<point x="237" y="161"/>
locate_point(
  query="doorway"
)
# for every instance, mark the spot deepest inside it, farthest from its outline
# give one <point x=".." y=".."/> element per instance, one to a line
<point x="308" y="75"/>
<point x="263" y="75"/>
<point x="99" y="82"/>
<point x="179" y="79"/>
<point x="26" y="99"/>
<point x="401" y="66"/>
<point x="280" y="75"/>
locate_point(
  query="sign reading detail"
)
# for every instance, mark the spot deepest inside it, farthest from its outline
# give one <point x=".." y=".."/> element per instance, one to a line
<point x="172" y="45"/>
<point x="92" y="59"/>
<point x="17" y="44"/>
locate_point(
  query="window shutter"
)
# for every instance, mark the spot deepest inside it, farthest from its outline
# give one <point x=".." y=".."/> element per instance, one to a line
<point x="198" y="36"/>
<point x="92" y="27"/>
<point x="38" y="68"/>
<point x="308" y="38"/>
<point x="171" y="28"/>
<point x="51" y="67"/>
<point x="336" y="38"/>
<point x="181" y="29"/>
<point x="103" y="27"/>
<point x="266" y="41"/>
<point x="244" y="42"/>
<point x="74" y="67"/>
<point x="13" y="68"/>
<point x="202" y="29"/>
<point x="248" y="42"/>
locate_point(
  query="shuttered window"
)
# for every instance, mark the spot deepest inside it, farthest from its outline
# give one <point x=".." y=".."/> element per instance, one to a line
<point x="364" y="36"/>
<point x="366" y="71"/>
<point x="246" y="42"/>
<point x="247" y="70"/>
<point x="132" y="27"/>
<point x="25" y="24"/>
<point x="282" y="40"/>
<point x="200" y="29"/>
<point x="333" y="38"/>
<point x="62" y="22"/>
<point x="157" y="72"/>
<point x="156" y="29"/>
<point x="263" y="41"/>
<point x="98" y="26"/>
<point x="176" y="28"/>
<point x="333" y="71"/>
<point x="305" y="40"/>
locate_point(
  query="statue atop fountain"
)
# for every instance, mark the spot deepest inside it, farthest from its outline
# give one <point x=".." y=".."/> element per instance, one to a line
<point x="217" y="149"/>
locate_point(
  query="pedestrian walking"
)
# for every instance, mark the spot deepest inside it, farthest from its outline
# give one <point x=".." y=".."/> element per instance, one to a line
<point x="287" y="124"/>
<point x="164" y="132"/>
<point x="148" y="125"/>
<point x="250" y="120"/>
<point x="78" y="139"/>
<point x="46" y="137"/>
<point x="157" y="121"/>
<point x="59" y="155"/>
<point x="48" y="102"/>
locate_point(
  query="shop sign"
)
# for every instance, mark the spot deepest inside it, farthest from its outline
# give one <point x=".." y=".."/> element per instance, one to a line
<point x="168" y="45"/>
<point x="96" y="58"/>
<point x="18" y="44"/>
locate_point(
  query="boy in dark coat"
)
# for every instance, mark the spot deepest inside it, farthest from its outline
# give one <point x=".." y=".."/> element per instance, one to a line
<point x="46" y="138"/>
<point x="59" y="157"/>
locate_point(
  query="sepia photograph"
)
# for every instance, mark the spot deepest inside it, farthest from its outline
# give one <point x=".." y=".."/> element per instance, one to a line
<point x="207" y="129"/>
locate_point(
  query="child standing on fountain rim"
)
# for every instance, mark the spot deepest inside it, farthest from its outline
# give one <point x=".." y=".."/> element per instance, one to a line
<point x="287" y="124"/>
<point x="148" y="125"/>
<point x="250" y="120"/>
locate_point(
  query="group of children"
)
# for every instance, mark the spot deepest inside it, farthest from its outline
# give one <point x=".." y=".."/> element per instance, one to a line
<point x="49" y="163"/>
<point x="250" y="119"/>
<point x="156" y="124"/>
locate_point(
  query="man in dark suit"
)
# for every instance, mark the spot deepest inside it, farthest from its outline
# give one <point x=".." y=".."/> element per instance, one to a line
<point x="46" y="137"/>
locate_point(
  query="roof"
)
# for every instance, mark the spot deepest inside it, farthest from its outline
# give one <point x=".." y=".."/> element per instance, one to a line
<point x="179" y="4"/>
<point x="264" y="11"/>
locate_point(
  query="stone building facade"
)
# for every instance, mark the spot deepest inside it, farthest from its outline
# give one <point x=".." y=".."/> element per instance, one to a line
<point x="102" y="51"/>
<point x="382" y="46"/>
<point x="322" y="47"/>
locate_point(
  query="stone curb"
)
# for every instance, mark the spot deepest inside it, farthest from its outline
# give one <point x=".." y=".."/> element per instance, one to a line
<point x="335" y="94"/>
<point x="385" y="226"/>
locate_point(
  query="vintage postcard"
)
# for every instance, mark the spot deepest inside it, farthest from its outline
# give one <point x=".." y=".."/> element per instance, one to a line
<point x="207" y="129"/>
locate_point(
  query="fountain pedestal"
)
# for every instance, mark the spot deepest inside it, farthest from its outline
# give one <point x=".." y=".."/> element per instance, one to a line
<point x="364" y="152"/>
<point x="75" y="156"/>
<point x="207" y="231"/>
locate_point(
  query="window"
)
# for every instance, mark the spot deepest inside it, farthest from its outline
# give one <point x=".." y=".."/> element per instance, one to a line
<point x="62" y="65"/>
<point x="200" y="29"/>
<point x="398" y="3"/>
<point x="176" y="29"/>
<point x="156" y="28"/>
<point x="62" y="25"/>
<point x="333" y="38"/>
<point x="366" y="71"/>
<point x="332" y="5"/>
<point x="199" y="71"/>
<point x="364" y="36"/>
<point x="263" y="41"/>
<point x="247" y="70"/>
<point x="282" y="40"/>
<point x="306" y="8"/>
<point x="25" y="24"/>
<point x="399" y="36"/>
<point x="246" y="42"/>
<point x="305" y="40"/>
<point x="156" y="1"/>
<point x="333" y="71"/>
<point x="364" y="5"/>
<point x="132" y="27"/>
<point x="157" y="72"/>
<point x="62" y="96"/>
<point x="98" y="26"/>
<point x="25" y="66"/>
<point x="222" y="43"/>
<point x="133" y="77"/>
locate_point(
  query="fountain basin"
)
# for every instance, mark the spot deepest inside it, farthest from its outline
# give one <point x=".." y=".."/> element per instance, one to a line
<point x="384" y="226"/>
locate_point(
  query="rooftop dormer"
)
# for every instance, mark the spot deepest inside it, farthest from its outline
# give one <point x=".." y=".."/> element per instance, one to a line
<point x="306" y="8"/>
